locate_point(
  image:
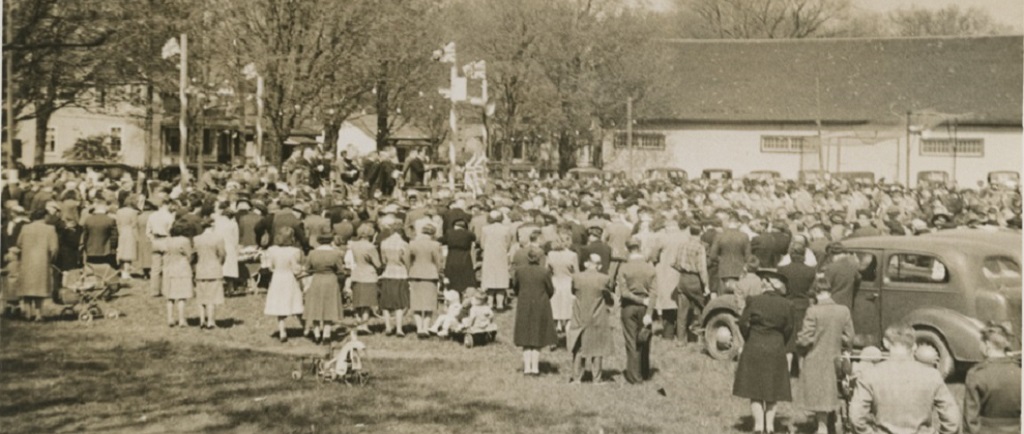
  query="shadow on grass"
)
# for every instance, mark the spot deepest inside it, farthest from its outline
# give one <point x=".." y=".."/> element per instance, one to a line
<point x="782" y="424"/>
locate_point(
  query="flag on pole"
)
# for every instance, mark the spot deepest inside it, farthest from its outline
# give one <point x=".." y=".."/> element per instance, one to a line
<point x="171" y="48"/>
<point x="446" y="54"/>
<point x="249" y="71"/>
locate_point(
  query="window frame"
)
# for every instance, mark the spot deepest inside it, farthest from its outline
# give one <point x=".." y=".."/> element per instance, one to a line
<point x="115" y="139"/>
<point x="643" y="140"/>
<point x="930" y="285"/>
<point x="50" y="147"/>
<point x="927" y="148"/>
<point x="794" y="144"/>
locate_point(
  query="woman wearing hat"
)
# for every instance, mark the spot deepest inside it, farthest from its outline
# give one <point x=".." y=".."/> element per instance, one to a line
<point x="364" y="275"/>
<point x="459" y="265"/>
<point x="425" y="265"/>
<point x="534" y="326"/>
<point x="827" y="328"/>
<point x="323" y="305"/>
<point x="394" y="281"/>
<point x="762" y="375"/>
<point x="284" y="295"/>
<point x="177" y="272"/>
<point x="210" y="254"/>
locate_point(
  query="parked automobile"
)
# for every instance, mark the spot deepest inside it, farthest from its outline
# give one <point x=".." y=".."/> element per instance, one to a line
<point x="717" y="174"/>
<point x="595" y="173"/>
<point x="763" y="175"/>
<point x="856" y="177"/>
<point x="812" y="176"/>
<point x="110" y="170"/>
<point x="927" y="178"/>
<point x="1005" y="178"/>
<point x="947" y="286"/>
<point x="670" y="174"/>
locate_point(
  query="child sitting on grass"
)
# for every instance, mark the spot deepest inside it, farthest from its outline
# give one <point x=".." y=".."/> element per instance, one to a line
<point x="479" y="318"/>
<point x="451" y="315"/>
<point x="349" y="359"/>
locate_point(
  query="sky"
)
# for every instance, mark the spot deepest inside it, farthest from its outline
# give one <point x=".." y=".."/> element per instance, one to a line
<point x="1010" y="12"/>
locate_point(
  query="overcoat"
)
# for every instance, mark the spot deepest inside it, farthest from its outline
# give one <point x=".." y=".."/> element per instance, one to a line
<point x="127" y="220"/>
<point x="458" y="265"/>
<point x="495" y="241"/>
<point x="731" y="248"/>
<point x="535" y="327"/>
<point x="100" y="235"/>
<point x="826" y="329"/>
<point x="38" y="245"/>
<point x="590" y="326"/>
<point x="762" y="373"/>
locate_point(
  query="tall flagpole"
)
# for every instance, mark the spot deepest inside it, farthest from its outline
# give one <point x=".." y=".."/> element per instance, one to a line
<point x="452" y="122"/>
<point x="182" y="127"/>
<point x="259" y="118"/>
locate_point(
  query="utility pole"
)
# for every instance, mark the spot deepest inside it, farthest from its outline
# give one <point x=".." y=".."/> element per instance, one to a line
<point x="629" y="130"/>
<point x="817" y="122"/>
<point x="183" y="112"/>
<point x="9" y="71"/>
<point x="907" y="162"/>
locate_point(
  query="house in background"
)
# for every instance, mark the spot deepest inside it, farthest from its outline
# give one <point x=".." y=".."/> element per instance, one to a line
<point x="892" y="107"/>
<point x="358" y="137"/>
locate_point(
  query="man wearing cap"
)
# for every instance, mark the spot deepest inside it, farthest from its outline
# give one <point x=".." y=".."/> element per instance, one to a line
<point x="693" y="288"/>
<point x="992" y="389"/>
<point x="598" y="247"/>
<point x="635" y="287"/>
<point x="842" y="274"/>
<point x="99" y="236"/>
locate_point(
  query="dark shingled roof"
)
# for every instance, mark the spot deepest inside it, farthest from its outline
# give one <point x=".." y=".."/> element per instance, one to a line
<point x="859" y="80"/>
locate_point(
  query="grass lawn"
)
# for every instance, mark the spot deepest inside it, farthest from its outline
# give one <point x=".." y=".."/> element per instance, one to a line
<point x="133" y="374"/>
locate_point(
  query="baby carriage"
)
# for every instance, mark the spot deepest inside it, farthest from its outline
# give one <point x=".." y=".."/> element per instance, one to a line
<point x="344" y="365"/>
<point x="84" y="289"/>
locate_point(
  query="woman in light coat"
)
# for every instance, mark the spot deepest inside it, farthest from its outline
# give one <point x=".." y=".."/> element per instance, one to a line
<point x="827" y="329"/>
<point x="365" y="289"/>
<point x="225" y="225"/>
<point x="425" y="265"/>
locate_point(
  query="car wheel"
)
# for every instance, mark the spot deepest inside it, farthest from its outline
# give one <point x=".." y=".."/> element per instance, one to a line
<point x="722" y="338"/>
<point x="928" y="338"/>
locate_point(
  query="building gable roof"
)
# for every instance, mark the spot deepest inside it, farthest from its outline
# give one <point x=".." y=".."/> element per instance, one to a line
<point x="843" y="80"/>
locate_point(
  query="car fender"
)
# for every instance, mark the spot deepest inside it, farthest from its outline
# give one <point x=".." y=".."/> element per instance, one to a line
<point x="728" y="302"/>
<point x="961" y="332"/>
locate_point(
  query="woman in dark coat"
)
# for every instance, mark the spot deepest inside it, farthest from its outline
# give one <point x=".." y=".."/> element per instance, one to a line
<point x="535" y="326"/>
<point x="762" y="375"/>
<point x="458" y="267"/>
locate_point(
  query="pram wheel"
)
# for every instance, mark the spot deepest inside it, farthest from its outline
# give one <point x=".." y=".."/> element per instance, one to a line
<point x="467" y="340"/>
<point x="95" y="311"/>
<point x="85" y="317"/>
<point x="68" y="313"/>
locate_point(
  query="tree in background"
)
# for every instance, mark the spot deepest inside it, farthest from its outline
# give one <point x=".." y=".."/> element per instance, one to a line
<point x="948" y="21"/>
<point x="93" y="148"/>
<point x="762" y="19"/>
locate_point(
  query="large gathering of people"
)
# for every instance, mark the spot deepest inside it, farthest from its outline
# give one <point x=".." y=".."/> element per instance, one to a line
<point x="338" y="244"/>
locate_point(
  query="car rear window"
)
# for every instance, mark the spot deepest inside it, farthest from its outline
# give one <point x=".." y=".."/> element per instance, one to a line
<point x="916" y="268"/>
<point x="1001" y="271"/>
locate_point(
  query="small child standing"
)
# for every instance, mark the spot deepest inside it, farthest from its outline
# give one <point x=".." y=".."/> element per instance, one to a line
<point x="450" y="317"/>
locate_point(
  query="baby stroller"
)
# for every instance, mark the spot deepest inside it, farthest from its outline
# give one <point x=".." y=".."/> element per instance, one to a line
<point x="84" y="289"/>
<point x="344" y="365"/>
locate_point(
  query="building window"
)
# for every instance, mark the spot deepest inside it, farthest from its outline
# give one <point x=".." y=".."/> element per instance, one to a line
<point x="641" y="140"/>
<point x="944" y="147"/>
<point x="51" y="140"/>
<point x="788" y="144"/>
<point x="115" y="139"/>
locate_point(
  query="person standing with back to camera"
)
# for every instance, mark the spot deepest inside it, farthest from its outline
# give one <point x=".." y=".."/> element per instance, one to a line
<point x="635" y="286"/>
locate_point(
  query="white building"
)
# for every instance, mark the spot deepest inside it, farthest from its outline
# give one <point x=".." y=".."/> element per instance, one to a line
<point x="762" y="105"/>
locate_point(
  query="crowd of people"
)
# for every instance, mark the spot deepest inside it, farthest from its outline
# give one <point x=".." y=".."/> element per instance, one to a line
<point x="571" y="253"/>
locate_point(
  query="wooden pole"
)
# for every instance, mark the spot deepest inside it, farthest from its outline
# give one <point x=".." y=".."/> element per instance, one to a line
<point x="907" y="162"/>
<point x="10" y="96"/>
<point x="259" y="118"/>
<point x="183" y="112"/>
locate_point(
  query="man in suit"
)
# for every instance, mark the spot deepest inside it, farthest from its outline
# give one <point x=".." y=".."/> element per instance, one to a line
<point x="635" y="286"/>
<point x="992" y="396"/>
<point x="730" y="249"/>
<point x="842" y="274"/>
<point x="598" y="247"/>
<point x="901" y="394"/>
<point x="290" y="217"/>
<point x="99" y="236"/>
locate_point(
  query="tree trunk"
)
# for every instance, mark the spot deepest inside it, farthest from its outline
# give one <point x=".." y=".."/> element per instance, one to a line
<point x="43" y="114"/>
<point x="382" y="115"/>
<point x="331" y="127"/>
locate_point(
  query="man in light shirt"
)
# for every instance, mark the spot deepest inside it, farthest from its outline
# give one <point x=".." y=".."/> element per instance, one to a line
<point x="158" y="227"/>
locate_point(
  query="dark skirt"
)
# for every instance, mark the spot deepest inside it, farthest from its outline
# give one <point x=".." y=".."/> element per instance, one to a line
<point x="323" y="299"/>
<point x="364" y="294"/>
<point x="762" y="373"/>
<point x="394" y="294"/>
<point x="422" y="295"/>
<point x="458" y="268"/>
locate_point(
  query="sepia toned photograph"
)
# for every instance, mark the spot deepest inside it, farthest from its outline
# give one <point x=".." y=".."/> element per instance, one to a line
<point x="511" y="216"/>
